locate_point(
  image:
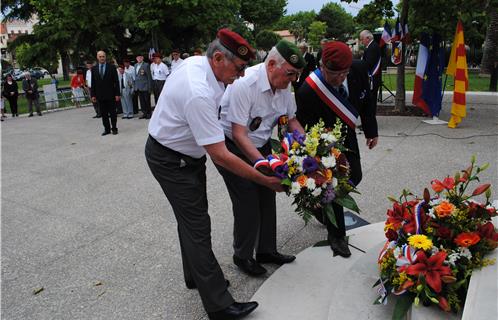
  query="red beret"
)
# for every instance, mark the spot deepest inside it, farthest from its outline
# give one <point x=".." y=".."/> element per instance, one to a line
<point x="156" y="55"/>
<point x="336" y="55"/>
<point x="236" y="44"/>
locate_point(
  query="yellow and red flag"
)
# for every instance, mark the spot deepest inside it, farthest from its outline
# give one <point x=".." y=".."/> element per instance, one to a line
<point x="457" y="67"/>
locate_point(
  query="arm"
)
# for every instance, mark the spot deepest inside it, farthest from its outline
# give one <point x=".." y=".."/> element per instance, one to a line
<point x="241" y="139"/>
<point x="221" y="156"/>
<point x="295" y="125"/>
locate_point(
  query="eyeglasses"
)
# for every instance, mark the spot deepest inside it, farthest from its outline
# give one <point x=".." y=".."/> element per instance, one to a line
<point x="292" y="73"/>
<point x="240" y="68"/>
<point x="331" y="73"/>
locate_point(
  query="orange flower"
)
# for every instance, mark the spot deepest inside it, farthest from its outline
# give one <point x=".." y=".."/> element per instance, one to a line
<point x="328" y="175"/>
<point x="444" y="209"/>
<point x="438" y="186"/>
<point x="336" y="152"/>
<point x="467" y="239"/>
<point x="302" y="180"/>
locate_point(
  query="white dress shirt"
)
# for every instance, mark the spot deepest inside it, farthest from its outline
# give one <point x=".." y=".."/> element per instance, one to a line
<point x="250" y="97"/>
<point x="175" y="63"/>
<point x="159" y="71"/>
<point x="88" y="78"/>
<point x="186" y="115"/>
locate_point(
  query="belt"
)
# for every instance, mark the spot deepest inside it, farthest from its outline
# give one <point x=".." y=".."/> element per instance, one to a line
<point x="177" y="154"/>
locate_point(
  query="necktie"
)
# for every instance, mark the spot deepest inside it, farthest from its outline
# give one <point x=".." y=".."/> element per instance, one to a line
<point x="122" y="81"/>
<point x="342" y="91"/>
<point x="101" y="70"/>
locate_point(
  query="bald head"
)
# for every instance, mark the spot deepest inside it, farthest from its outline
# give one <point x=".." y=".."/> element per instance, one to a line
<point x="101" y="57"/>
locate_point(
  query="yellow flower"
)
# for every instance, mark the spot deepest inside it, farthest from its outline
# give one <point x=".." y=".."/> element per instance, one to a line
<point x="420" y="241"/>
<point x="295" y="145"/>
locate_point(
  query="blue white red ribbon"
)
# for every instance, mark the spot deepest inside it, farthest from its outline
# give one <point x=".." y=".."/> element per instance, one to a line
<point x="418" y="213"/>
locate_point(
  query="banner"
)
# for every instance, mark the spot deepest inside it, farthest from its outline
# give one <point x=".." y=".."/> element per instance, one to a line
<point x="457" y="67"/>
<point x="432" y="86"/>
<point x="422" y="59"/>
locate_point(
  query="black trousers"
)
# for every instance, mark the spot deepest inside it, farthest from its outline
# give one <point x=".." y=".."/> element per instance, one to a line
<point x="108" y="111"/>
<point x="135" y="102"/>
<point x="157" y="87"/>
<point x="144" y="97"/>
<point x="254" y="210"/>
<point x="13" y="104"/>
<point x="183" y="181"/>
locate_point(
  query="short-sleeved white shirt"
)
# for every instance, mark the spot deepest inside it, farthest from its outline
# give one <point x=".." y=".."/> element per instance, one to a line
<point x="186" y="115"/>
<point x="175" y="63"/>
<point x="159" y="71"/>
<point x="251" y="97"/>
<point x="88" y="77"/>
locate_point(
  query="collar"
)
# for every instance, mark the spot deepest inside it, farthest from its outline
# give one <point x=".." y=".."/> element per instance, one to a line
<point x="264" y="83"/>
<point x="369" y="43"/>
<point x="211" y="77"/>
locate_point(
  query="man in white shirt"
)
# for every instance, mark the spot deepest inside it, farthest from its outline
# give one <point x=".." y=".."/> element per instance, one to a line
<point x="88" y="79"/>
<point x="175" y="59"/>
<point x="183" y="128"/>
<point x="250" y="110"/>
<point x="159" y="72"/>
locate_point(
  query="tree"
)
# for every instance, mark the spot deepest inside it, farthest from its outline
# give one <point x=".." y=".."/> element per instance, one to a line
<point x="372" y="14"/>
<point x="490" y="53"/>
<point x="316" y="33"/>
<point x="298" y="24"/>
<point x="340" y="24"/>
<point x="262" y="13"/>
<point x="266" y="39"/>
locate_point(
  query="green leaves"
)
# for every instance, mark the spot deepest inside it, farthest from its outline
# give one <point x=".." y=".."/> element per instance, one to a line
<point x="329" y="211"/>
<point x="403" y="304"/>
<point x="347" y="202"/>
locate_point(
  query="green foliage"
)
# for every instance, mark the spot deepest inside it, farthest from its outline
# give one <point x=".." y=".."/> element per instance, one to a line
<point x="316" y="33"/>
<point x="340" y="24"/>
<point x="266" y="39"/>
<point x="298" y="24"/>
<point x="262" y="13"/>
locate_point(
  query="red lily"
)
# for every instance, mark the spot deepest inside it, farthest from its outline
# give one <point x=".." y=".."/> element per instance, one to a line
<point x="411" y="225"/>
<point x="481" y="189"/>
<point x="448" y="183"/>
<point x="487" y="231"/>
<point x="443" y="304"/>
<point x="431" y="268"/>
<point x="399" y="214"/>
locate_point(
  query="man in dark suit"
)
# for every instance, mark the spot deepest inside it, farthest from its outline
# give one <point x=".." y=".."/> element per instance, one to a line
<point x="309" y="67"/>
<point x="341" y="76"/>
<point x="105" y="91"/>
<point x="372" y="57"/>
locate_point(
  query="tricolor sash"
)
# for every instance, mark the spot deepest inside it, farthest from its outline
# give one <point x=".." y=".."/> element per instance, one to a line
<point x="339" y="105"/>
<point x="376" y="68"/>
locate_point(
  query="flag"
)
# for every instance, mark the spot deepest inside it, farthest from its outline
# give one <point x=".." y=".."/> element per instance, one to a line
<point x="406" y="35"/>
<point x="151" y="52"/>
<point x="397" y="45"/>
<point x="457" y="67"/>
<point x="422" y="59"/>
<point x="432" y="86"/>
<point x="386" y="35"/>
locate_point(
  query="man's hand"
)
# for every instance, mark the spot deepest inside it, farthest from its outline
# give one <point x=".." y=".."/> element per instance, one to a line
<point x="371" y="143"/>
<point x="94" y="99"/>
<point x="118" y="98"/>
<point x="274" y="184"/>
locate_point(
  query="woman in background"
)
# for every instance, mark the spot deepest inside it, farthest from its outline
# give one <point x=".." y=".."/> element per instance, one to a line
<point x="77" y="84"/>
<point x="11" y="92"/>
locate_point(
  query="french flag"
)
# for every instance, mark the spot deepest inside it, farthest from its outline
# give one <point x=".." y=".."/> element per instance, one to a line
<point x="422" y="60"/>
<point x="386" y="35"/>
<point x="397" y="32"/>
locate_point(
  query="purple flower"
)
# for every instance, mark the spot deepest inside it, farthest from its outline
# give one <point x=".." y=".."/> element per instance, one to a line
<point x="328" y="195"/>
<point x="282" y="171"/>
<point x="298" y="137"/>
<point x="310" y="165"/>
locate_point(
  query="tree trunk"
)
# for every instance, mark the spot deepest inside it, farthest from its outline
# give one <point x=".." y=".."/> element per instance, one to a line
<point x="65" y="65"/>
<point x="490" y="52"/>
<point x="400" y="100"/>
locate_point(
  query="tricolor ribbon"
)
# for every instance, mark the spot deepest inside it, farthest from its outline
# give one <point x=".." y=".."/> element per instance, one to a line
<point x="274" y="162"/>
<point x="260" y="163"/>
<point x="418" y="213"/>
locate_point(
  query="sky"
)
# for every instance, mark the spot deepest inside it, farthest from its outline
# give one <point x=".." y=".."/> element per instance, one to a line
<point x="294" y="6"/>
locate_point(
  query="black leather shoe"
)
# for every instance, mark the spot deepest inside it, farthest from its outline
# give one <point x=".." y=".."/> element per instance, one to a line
<point x="191" y="284"/>
<point x="236" y="310"/>
<point x="105" y="133"/>
<point x="339" y="246"/>
<point x="143" y="117"/>
<point x="114" y="131"/>
<point x="249" y="266"/>
<point x="30" y="115"/>
<point x="275" y="258"/>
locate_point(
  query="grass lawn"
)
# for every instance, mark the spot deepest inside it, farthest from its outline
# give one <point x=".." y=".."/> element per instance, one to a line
<point x="476" y="83"/>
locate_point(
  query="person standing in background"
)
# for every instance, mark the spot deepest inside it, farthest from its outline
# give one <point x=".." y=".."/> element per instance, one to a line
<point x="88" y="77"/>
<point x="159" y="72"/>
<point x="143" y="85"/>
<point x="30" y="87"/>
<point x="11" y="93"/>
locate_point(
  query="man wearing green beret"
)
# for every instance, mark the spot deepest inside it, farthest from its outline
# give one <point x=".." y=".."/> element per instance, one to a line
<point x="250" y="110"/>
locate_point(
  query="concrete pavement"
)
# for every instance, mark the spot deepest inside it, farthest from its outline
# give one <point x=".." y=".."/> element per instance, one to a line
<point x="83" y="217"/>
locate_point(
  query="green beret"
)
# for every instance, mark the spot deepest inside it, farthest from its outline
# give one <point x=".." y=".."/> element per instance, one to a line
<point x="291" y="53"/>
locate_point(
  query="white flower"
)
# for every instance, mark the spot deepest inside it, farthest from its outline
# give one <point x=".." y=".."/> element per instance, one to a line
<point x="317" y="192"/>
<point x="431" y="213"/>
<point x="465" y="252"/>
<point x="452" y="258"/>
<point x="334" y="182"/>
<point x="310" y="184"/>
<point x="328" y="162"/>
<point x="435" y="202"/>
<point x="295" y="188"/>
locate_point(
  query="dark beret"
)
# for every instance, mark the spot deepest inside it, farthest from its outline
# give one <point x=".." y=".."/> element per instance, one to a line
<point x="336" y="55"/>
<point x="236" y="44"/>
<point x="290" y="53"/>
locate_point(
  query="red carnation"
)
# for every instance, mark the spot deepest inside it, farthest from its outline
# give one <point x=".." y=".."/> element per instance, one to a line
<point x="391" y="235"/>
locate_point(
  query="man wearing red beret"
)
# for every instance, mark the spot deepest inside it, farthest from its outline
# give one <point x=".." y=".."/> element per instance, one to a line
<point x="183" y="128"/>
<point x="339" y="89"/>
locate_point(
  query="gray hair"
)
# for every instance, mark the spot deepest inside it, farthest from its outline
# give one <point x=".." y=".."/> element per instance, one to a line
<point x="275" y="56"/>
<point x="217" y="46"/>
<point x="303" y="45"/>
<point x="366" y="34"/>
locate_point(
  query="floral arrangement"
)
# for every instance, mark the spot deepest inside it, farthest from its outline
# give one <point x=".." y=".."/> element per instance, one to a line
<point x="434" y="244"/>
<point x="314" y="169"/>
